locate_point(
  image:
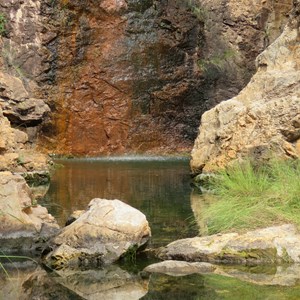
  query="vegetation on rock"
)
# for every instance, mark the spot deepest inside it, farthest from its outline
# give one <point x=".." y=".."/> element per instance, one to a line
<point x="250" y="196"/>
<point x="2" y="24"/>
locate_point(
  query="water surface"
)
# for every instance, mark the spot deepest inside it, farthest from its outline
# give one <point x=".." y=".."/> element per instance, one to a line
<point x="159" y="187"/>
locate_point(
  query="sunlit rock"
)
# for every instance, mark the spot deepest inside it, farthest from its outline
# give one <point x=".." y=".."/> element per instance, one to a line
<point x="23" y="225"/>
<point x="263" y="119"/>
<point x="17" y="105"/>
<point x="101" y="235"/>
<point x="278" y="244"/>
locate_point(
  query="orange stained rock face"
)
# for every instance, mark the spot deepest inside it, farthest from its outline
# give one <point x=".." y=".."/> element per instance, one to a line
<point x="111" y="69"/>
<point x="93" y="109"/>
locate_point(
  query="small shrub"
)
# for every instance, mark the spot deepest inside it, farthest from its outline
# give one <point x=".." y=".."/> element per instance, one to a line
<point x="200" y="12"/>
<point x="217" y="61"/>
<point x="2" y="24"/>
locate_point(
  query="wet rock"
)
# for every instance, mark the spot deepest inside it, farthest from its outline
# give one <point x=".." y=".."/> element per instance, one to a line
<point x="23" y="226"/>
<point x="105" y="232"/>
<point x="108" y="283"/>
<point x="180" y="268"/>
<point x="279" y="244"/>
<point x="173" y="60"/>
<point x="263" y="119"/>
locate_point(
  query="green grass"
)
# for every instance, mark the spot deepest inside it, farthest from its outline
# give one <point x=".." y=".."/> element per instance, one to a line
<point x="2" y="24"/>
<point x="249" y="197"/>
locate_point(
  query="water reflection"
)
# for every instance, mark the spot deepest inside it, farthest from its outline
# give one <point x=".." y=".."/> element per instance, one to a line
<point x="214" y="287"/>
<point x="109" y="283"/>
<point x="199" y="203"/>
<point x="160" y="189"/>
<point x="31" y="282"/>
<point x="28" y="281"/>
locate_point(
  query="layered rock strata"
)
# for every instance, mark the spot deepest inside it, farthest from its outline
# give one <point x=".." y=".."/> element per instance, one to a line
<point x="16" y="153"/>
<point x="128" y="76"/>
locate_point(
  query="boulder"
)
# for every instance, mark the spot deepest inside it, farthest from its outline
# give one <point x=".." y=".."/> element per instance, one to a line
<point x="106" y="231"/>
<point x="263" y="119"/>
<point x="23" y="226"/>
<point x="278" y="244"/>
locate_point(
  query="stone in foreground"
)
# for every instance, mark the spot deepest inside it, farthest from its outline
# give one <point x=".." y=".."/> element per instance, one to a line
<point x="23" y="226"/>
<point x="278" y="244"/>
<point x="101" y="235"/>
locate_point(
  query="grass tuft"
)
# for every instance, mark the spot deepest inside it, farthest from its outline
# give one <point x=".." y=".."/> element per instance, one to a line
<point x="250" y="197"/>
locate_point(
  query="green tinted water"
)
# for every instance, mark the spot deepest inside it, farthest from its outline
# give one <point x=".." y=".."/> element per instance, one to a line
<point x="161" y="190"/>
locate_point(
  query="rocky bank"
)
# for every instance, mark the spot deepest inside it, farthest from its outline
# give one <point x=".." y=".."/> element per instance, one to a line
<point x="263" y="120"/>
<point x="24" y="225"/>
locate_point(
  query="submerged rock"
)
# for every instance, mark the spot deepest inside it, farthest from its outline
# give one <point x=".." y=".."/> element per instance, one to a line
<point x="106" y="231"/>
<point x="279" y="244"/>
<point x="23" y="226"/>
<point x="180" y="268"/>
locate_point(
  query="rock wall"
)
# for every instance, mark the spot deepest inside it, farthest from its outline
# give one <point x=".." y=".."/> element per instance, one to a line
<point x="126" y="76"/>
<point x="22" y="109"/>
<point x="123" y="76"/>
<point x="263" y="119"/>
<point x="235" y="33"/>
<point x="132" y="76"/>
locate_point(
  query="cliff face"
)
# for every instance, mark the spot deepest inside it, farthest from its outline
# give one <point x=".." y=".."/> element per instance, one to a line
<point x="22" y="110"/>
<point x="235" y="33"/>
<point x="264" y="119"/>
<point x="126" y="76"/>
<point x="135" y="76"/>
